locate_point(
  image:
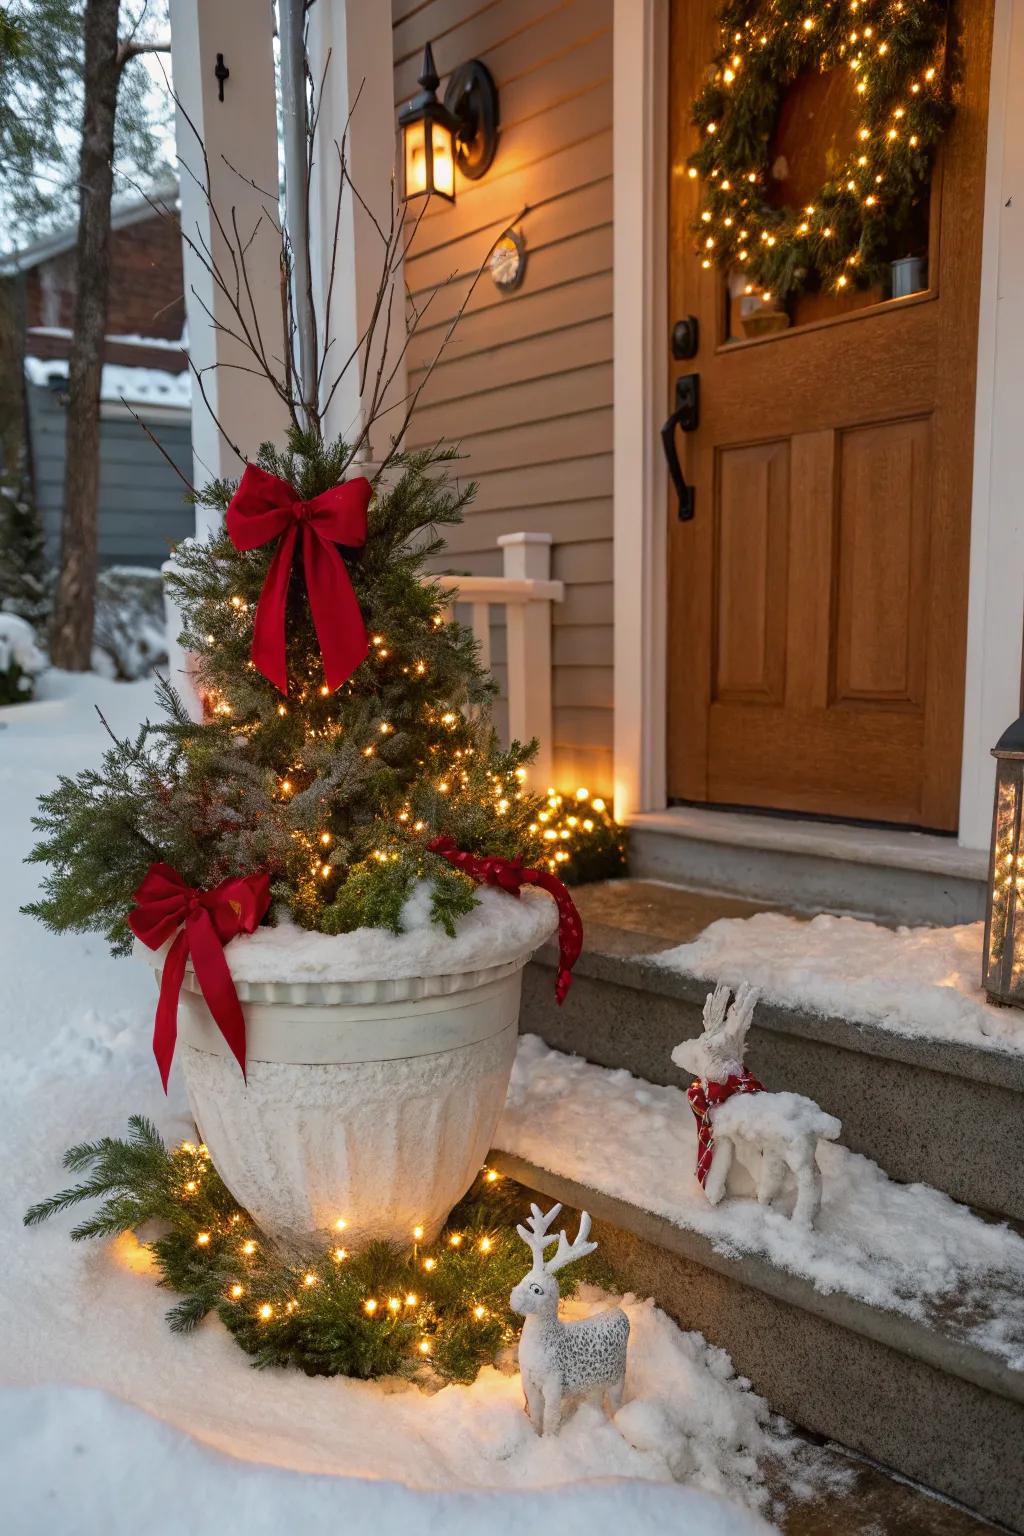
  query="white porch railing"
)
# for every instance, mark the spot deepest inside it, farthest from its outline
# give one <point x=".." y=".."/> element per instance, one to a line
<point x="526" y="591"/>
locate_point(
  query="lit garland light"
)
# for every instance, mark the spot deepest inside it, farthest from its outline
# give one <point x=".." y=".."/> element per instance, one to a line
<point x="582" y="840"/>
<point x="385" y="1312"/>
<point x="895" y="49"/>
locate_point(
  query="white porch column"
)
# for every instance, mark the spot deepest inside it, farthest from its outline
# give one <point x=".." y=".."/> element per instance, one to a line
<point x="995" y="610"/>
<point x="241" y="129"/>
<point x="357" y="35"/>
<point x="640" y="331"/>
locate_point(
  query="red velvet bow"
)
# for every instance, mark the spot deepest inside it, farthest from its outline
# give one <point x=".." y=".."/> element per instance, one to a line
<point x="208" y="920"/>
<point x="265" y="507"/>
<point x="509" y="875"/>
<point x="703" y="1097"/>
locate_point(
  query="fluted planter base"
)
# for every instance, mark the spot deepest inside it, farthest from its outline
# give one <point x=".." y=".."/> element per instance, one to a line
<point x="368" y="1105"/>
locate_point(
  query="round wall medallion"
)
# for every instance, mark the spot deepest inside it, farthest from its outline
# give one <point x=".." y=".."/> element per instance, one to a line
<point x="507" y="262"/>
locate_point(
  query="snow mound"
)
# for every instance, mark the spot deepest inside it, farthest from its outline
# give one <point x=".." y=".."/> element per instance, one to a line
<point x="918" y="982"/>
<point x="500" y="928"/>
<point x="18" y="649"/>
<point x="79" y="1461"/>
<point x="774" y="1116"/>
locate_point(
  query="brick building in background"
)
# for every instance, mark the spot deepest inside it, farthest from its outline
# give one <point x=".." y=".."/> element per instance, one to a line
<point x="142" y="509"/>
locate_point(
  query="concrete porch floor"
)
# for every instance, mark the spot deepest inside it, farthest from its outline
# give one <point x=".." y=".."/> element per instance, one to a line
<point x="630" y="918"/>
<point x="856" y="1497"/>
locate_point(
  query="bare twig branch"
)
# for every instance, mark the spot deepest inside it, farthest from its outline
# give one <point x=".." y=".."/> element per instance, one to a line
<point x="158" y="445"/>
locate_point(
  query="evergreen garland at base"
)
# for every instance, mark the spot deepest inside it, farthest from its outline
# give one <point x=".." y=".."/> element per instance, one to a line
<point x="436" y="1311"/>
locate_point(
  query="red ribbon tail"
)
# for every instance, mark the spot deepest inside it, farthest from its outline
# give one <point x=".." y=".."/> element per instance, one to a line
<point x="215" y="981"/>
<point x="269" y="653"/>
<point x="165" y="1028"/>
<point x="337" y="617"/>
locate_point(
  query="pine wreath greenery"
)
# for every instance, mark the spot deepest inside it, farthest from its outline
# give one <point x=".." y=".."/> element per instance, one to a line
<point x="896" y="51"/>
<point x="438" y="1310"/>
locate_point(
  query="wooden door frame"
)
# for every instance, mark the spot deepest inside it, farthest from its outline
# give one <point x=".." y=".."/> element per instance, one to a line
<point x="641" y="374"/>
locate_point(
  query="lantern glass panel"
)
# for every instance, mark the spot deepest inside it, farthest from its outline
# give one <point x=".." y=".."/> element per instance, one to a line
<point x="1003" y="885"/>
<point x="443" y="155"/>
<point x="415" y="143"/>
<point x="1004" y="929"/>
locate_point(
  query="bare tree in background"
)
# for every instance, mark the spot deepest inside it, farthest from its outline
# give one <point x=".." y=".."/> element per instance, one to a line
<point x="105" y="58"/>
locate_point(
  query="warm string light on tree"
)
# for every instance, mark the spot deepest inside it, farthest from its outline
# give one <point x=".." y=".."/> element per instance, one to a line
<point x="895" y="52"/>
<point x="380" y="1311"/>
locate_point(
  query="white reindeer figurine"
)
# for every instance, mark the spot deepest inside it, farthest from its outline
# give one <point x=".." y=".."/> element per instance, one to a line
<point x="768" y="1133"/>
<point x="561" y="1360"/>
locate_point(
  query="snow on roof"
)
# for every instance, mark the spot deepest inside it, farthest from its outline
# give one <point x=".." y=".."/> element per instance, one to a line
<point x="127" y="208"/>
<point x="138" y="386"/>
<point x="126" y="339"/>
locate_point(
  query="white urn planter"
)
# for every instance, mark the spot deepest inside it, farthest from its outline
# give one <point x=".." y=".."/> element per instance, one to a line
<point x="376" y="1068"/>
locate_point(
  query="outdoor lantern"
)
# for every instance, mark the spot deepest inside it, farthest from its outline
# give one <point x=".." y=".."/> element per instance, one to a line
<point x="437" y="135"/>
<point x="1003" y="976"/>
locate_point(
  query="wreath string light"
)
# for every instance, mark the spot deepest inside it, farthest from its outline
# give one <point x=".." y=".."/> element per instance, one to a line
<point x="895" y="50"/>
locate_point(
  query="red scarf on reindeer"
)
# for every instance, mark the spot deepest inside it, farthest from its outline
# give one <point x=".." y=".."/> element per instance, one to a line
<point x="509" y="875"/>
<point x="703" y="1098"/>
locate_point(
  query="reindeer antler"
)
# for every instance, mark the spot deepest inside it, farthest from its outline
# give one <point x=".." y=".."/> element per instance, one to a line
<point x="742" y="1010"/>
<point x="566" y="1252"/>
<point x="715" y="1005"/>
<point x="536" y="1237"/>
<point x="535" y="1234"/>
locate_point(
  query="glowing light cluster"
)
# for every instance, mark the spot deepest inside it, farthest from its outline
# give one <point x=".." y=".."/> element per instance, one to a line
<point x="581" y="838"/>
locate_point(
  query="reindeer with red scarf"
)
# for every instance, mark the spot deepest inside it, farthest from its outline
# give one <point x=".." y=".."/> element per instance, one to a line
<point x="770" y="1134"/>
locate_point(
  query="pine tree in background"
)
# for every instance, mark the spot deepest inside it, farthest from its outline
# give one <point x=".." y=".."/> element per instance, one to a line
<point x="24" y="584"/>
<point x="335" y="795"/>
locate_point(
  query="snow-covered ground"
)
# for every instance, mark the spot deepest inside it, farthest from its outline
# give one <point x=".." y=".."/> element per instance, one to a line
<point x="921" y="982"/>
<point x="109" y="1422"/>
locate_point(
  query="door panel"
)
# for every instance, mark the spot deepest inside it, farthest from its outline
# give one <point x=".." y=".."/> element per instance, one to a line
<point x="817" y="601"/>
<point x="751" y="511"/>
<point x="883" y="564"/>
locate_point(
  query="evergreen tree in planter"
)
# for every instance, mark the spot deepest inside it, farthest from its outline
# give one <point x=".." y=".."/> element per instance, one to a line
<point x="324" y="869"/>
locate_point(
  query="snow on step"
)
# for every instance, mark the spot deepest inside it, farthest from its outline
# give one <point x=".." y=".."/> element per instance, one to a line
<point x="921" y="982"/>
<point x="907" y="1248"/>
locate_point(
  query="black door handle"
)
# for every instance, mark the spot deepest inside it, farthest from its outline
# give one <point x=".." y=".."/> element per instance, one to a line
<point x="686" y="417"/>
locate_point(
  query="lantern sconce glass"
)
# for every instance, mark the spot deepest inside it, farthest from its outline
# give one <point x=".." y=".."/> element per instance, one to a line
<point x="461" y="130"/>
<point x="1003" y="963"/>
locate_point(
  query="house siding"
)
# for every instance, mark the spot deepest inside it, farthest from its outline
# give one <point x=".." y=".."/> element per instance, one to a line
<point x="142" y="508"/>
<point x="146" y="286"/>
<point x="525" y="385"/>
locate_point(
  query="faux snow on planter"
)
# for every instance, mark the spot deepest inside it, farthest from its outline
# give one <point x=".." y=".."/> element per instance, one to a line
<point x="376" y="1067"/>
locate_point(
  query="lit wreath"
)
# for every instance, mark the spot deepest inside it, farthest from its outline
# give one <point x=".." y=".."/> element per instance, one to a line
<point x="897" y="50"/>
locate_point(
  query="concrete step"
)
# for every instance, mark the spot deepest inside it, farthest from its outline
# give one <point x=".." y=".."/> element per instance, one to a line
<point x="812" y="866"/>
<point x="915" y="1396"/>
<point x="937" y="1112"/>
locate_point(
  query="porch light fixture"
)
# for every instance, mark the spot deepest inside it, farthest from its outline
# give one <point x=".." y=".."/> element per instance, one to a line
<point x="438" y="135"/>
<point x="1003" y="963"/>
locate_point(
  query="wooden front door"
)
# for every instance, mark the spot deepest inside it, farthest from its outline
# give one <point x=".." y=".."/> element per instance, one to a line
<point x="818" y="598"/>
